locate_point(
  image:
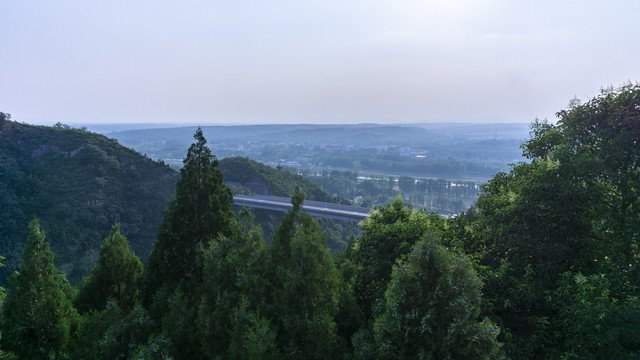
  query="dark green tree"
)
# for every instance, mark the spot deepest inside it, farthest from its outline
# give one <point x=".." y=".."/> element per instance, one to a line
<point x="432" y="309"/>
<point x="252" y="335"/>
<point x="574" y="208"/>
<point x="593" y="321"/>
<point x="234" y="289"/>
<point x="114" y="277"/>
<point x="304" y="297"/>
<point x="37" y="314"/>
<point x="201" y="211"/>
<point x="111" y="333"/>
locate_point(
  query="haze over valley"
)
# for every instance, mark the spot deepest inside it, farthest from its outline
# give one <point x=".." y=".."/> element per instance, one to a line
<point x="322" y="180"/>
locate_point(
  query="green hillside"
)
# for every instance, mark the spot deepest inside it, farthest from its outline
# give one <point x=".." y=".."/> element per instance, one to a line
<point x="78" y="184"/>
<point x="264" y="180"/>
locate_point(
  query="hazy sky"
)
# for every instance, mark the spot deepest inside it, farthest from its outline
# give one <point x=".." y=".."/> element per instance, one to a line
<point x="310" y="61"/>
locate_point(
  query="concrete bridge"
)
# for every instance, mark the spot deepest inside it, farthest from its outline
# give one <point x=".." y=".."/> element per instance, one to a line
<point x="315" y="208"/>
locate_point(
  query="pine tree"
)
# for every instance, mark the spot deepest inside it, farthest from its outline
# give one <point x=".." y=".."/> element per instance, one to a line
<point x="37" y="311"/>
<point x="114" y="277"/>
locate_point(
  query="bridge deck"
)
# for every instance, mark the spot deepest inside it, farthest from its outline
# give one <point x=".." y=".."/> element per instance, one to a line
<point x="315" y="208"/>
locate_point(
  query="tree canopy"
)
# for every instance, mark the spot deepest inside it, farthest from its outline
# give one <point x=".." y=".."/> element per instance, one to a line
<point x="37" y="314"/>
<point x="114" y="277"/>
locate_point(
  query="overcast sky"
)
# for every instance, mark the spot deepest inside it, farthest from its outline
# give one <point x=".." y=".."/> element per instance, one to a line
<point x="297" y="61"/>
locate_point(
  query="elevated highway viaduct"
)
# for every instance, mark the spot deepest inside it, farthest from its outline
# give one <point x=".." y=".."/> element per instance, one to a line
<point x="314" y="208"/>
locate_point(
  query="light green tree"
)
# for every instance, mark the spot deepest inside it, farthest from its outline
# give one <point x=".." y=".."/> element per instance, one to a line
<point x="388" y="234"/>
<point x="432" y="309"/>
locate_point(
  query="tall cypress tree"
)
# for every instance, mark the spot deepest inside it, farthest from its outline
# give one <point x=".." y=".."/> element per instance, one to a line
<point x="200" y="211"/>
<point x="37" y="311"/>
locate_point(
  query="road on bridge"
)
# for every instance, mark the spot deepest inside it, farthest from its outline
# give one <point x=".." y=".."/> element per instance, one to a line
<point x="315" y="208"/>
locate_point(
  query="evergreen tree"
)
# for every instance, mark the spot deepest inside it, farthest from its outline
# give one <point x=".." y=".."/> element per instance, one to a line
<point x="201" y="211"/>
<point x="111" y="333"/>
<point x="37" y="312"/>
<point x="234" y="288"/>
<point x="114" y="277"/>
<point x="305" y="287"/>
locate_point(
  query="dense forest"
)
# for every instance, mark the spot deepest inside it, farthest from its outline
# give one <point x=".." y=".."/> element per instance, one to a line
<point x="78" y="184"/>
<point x="545" y="266"/>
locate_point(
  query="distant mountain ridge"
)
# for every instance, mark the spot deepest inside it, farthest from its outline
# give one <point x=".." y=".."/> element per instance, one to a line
<point x="354" y="134"/>
<point x="78" y="184"/>
<point x="431" y="150"/>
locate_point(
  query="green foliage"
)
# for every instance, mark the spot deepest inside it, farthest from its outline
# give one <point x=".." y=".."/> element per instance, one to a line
<point x="4" y="117"/>
<point x="594" y="323"/>
<point x="78" y="184"/>
<point x="2" y="294"/>
<point x="37" y="314"/>
<point x="575" y="209"/>
<point x="233" y="291"/>
<point x="111" y="333"/>
<point x="114" y="277"/>
<point x="252" y="335"/>
<point x="200" y="211"/>
<point x="156" y="348"/>
<point x="537" y="223"/>
<point x="432" y="309"/>
<point x="179" y="324"/>
<point x="304" y="297"/>
<point x="599" y="143"/>
<point x="387" y="235"/>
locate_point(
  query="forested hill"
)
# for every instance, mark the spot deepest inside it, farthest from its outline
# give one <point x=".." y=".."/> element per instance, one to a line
<point x="265" y="180"/>
<point x="78" y="184"/>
